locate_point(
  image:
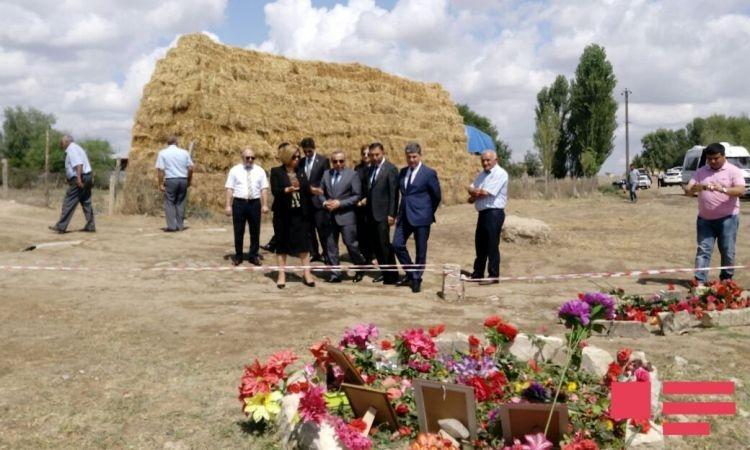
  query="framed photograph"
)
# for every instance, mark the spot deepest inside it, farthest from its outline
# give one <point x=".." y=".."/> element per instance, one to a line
<point x="362" y="398"/>
<point x="520" y="419"/>
<point x="351" y="374"/>
<point x="437" y="401"/>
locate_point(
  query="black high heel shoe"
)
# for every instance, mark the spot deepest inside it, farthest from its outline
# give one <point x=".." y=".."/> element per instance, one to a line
<point x="308" y="284"/>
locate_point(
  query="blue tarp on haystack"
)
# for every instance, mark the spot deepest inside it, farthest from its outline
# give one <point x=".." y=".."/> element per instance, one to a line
<point x="478" y="141"/>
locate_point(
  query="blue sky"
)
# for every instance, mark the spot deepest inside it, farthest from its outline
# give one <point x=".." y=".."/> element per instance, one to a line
<point x="493" y="55"/>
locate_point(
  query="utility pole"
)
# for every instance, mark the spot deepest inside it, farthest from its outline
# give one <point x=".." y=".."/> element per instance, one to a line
<point x="627" y="93"/>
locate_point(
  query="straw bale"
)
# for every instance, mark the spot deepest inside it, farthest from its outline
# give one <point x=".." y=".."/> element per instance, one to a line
<point x="226" y="98"/>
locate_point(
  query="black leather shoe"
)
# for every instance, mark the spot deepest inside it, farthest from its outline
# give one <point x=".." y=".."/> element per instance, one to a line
<point x="390" y="281"/>
<point x="255" y="261"/>
<point x="404" y="281"/>
<point x="416" y="286"/>
<point x="56" y="230"/>
<point x="269" y="248"/>
<point x="236" y="260"/>
<point x="310" y="284"/>
<point x="334" y="279"/>
<point x="378" y="279"/>
<point x="88" y="230"/>
<point x="358" y="277"/>
<point x="316" y="258"/>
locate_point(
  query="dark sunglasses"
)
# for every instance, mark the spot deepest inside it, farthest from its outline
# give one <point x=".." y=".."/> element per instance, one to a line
<point x="249" y="158"/>
<point x="338" y="161"/>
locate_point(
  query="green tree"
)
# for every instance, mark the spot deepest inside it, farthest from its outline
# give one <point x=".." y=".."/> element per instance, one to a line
<point x="484" y="124"/>
<point x="99" y="152"/>
<point x="532" y="164"/>
<point x="557" y="95"/>
<point x="547" y="136"/>
<point x="24" y="132"/>
<point x="592" y="121"/>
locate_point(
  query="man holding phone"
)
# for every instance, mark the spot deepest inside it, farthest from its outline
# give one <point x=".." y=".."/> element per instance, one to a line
<point x="719" y="184"/>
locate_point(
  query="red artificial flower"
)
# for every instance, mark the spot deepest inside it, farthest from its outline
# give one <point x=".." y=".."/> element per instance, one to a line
<point x="298" y="387"/>
<point x="319" y="352"/>
<point x="386" y="344"/>
<point x="581" y="296"/>
<point x="490" y="350"/>
<point x="404" y="431"/>
<point x="474" y="341"/>
<point x="613" y="373"/>
<point x="312" y="406"/>
<point x="497" y="381"/>
<point x="670" y="287"/>
<point x="584" y="444"/>
<point x="281" y="359"/>
<point x="402" y="409"/>
<point x="534" y="366"/>
<point x="644" y="425"/>
<point x="481" y="390"/>
<point x="492" y="321"/>
<point x="623" y="356"/>
<point x="257" y="378"/>
<point x="359" y="425"/>
<point x="437" y="330"/>
<point x="507" y="330"/>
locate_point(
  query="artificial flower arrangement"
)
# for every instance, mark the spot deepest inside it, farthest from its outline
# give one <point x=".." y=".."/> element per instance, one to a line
<point x="716" y="295"/>
<point x="485" y="364"/>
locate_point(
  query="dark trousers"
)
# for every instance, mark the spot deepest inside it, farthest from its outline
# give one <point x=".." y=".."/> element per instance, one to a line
<point x="246" y="211"/>
<point x="317" y="223"/>
<point x="175" y="197"/>
<point x="73" y="197"/>
<point x="380" y="233"/>
<point x="349" y="234"/>
<point x="633" y="192"/>
<point x="421" y="234"/>
<point x="487" y="242"/>
<point x="365" y="239"/>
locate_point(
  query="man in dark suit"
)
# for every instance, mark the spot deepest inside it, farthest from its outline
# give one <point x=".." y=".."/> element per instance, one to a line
<point x="339" y="193"/>
<point x="363" y="172"/>
<point x="420" y="196"/>
<point x="314" y="166"/>
<point x="381" y="203"/>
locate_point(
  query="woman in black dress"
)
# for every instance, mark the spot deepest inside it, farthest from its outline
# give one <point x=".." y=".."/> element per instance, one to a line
<point x="290" y="189"/>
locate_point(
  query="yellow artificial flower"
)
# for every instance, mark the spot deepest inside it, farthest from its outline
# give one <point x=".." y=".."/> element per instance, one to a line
<point x="335" y="400"/>
<point x="264" y="406"/>
<point x="572" y="387"/>
<point x="610" y="425"/>
<point x="519" y="387"/>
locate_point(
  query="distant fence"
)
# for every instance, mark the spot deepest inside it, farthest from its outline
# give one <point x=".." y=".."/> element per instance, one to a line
<point x="539" y="188"/>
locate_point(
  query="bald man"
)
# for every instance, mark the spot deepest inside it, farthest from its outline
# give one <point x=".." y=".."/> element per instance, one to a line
<point x="78" y="174"/>
<point x="489" y="194"/>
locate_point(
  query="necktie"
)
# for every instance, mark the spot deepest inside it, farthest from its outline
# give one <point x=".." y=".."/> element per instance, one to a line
<point x="408" y="179"/>
<point x="374" y="174"/>
<point x="249" y="185"/>
<point x="308" y="167"/>
<point x="336" y="176"/>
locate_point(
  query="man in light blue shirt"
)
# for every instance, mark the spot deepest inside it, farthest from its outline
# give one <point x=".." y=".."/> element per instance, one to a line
<point x="489" y="194"/>
<point x="175" y="172"/>
<point x="78" y="174"/>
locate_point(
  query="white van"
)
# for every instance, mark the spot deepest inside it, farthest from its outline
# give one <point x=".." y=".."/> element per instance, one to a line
<point x="737" y="155"/>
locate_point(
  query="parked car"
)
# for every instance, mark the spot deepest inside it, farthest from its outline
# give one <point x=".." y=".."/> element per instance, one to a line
<point x="644" y="180"/>
<point x="672" y="177"/>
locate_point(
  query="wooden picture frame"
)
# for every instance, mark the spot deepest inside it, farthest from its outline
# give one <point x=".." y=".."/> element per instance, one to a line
<point x="520" y="419"/>
<point x="351" y="374"/>
<point x="436" y="401"/>
<point x="362" y="398"/>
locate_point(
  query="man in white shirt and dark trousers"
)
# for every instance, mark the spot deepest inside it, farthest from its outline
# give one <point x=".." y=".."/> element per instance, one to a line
<point x="489" y="194"/>
<point x="78" y="174"/>
<point x="247" y="198"/>
<point x="175" y="172"/>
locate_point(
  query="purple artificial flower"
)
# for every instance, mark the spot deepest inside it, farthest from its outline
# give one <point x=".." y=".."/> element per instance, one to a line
<point x="600" y="298"/>
<point x="536" y="393"/>
<point x="466" y="367"/>
<point x="575" y="310"/>
<point x="359" y="335"/>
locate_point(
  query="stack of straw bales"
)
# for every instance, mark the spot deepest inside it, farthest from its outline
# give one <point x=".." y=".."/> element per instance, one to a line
<point x="225" y="99"/>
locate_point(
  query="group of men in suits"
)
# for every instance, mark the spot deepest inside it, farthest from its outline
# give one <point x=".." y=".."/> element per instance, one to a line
<point x="361" y="204"/>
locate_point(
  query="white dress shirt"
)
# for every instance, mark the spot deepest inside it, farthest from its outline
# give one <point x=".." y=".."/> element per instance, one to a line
<point x="75" y="155"/>
<point x="174" y="161"/>
<point x="246" y="182"/>
<point x="496" y="184"/>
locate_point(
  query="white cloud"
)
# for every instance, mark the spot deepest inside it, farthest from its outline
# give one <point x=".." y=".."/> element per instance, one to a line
<point x="680" y="62"/>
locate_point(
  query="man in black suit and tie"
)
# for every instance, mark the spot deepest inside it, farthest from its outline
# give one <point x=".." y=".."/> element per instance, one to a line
<point x="314" y="166"/>
<point x="420" y="196"/>
<point x="381" y="204"/>
<point x="339" y="193"/>
<point x="363" y="172"/>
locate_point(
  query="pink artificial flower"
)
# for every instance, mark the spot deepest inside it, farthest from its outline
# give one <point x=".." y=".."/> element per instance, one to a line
<point x="417" y="342"/>
<point x="312" y="405"/>
<point x="642" y="375"/>
<point x="393" y="393"/>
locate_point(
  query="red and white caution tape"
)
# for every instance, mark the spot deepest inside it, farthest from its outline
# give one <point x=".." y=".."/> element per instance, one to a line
<point x="592" y="275"/>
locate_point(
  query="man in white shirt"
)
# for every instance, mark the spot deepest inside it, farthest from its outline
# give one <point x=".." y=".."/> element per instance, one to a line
<point x="247" y="198"/>
<point x="175" y="172"/>
<point x="489" y="194"/>
<point x="78" y="174"/>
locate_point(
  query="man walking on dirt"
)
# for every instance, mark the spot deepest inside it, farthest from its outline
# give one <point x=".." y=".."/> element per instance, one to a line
<point x="489" y="194"/>
<point x="633" y="183"/>
<point x="175" y="172"/>
<point x="719" y="186"/>
<point x="78" y="173"/>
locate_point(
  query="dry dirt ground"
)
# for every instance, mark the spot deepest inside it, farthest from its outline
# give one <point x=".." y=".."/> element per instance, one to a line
<point x="139" y="359"/>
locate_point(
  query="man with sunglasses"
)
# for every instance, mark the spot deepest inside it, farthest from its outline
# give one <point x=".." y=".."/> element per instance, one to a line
<point x="247" y="199"/>
<point x="339" y="193"/>
<point x="175" y="172"/>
